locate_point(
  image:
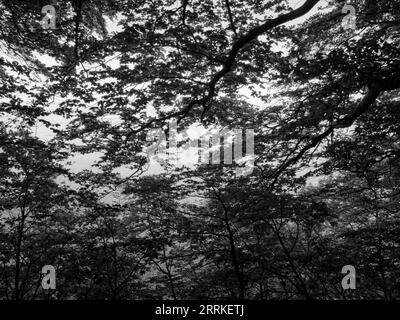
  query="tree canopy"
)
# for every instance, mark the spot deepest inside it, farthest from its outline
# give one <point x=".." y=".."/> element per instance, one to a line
<point x="79" y="192"/>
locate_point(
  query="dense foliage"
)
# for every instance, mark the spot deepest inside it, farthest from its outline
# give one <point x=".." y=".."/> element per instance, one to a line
<point x="323" y="101"/>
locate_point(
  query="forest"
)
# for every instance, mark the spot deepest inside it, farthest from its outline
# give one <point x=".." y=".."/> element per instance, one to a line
<point x="299" y="98"/>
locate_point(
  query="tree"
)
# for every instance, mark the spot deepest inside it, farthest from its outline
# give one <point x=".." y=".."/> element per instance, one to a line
<point x="322" y="100"/>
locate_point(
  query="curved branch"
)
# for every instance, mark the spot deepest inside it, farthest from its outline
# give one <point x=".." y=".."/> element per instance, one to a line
<point x="374" y="90"/>
<point x="230" y="60"/>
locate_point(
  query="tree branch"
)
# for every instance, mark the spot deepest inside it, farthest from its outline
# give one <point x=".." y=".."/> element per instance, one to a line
<point x="230" y="60"/>
<point x="228" y="7"/>
<point x="374" y="90"/>
<point x="78" y="9"/>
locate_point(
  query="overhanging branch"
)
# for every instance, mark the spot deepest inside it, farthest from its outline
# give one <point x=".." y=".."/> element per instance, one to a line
<point x="230" y="60"/>
<point x="374" y="90"/>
